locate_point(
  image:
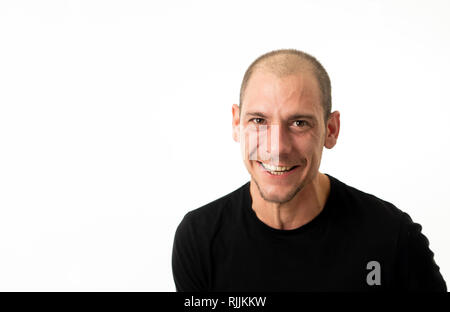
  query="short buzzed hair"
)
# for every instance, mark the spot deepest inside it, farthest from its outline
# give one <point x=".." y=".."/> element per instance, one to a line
<point x="285" y="62"/>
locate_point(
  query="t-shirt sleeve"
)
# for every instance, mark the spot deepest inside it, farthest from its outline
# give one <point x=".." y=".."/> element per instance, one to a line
<point x="417" y="269"/>
<point x="188" y="258"/>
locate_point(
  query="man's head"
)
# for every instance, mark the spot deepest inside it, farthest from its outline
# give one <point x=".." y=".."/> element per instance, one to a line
<point x="284" y="119"/>
<point x="288" y="62"/>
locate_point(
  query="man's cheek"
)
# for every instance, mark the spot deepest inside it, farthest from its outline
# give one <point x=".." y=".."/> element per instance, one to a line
<point x="260" y="143"/>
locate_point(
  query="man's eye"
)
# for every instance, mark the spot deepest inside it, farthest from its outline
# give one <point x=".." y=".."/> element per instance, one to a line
<point x="301" y="123"/>
<point x="257" y="120"/>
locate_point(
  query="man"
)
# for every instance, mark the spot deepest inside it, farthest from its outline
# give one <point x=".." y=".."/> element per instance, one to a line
<point x="292" y="228"/>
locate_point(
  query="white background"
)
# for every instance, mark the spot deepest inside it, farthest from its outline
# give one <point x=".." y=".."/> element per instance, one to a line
<point x="115" y="120"/>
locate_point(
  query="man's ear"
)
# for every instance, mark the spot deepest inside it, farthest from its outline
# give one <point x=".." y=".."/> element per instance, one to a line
<point x="236" y="122"/>
<point x="333" y="127"/>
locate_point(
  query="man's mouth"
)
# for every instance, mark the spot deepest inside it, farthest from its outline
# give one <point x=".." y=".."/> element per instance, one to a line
<point x="276" y="170"/>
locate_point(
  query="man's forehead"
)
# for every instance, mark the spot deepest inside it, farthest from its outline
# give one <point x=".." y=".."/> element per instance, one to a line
<point x="267" y="75"/>
<point x="268" y="99"/>
<point x="270" y="87"/>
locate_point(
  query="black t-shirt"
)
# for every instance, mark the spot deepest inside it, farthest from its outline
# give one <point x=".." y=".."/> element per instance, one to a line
<point x="358" y="242"/>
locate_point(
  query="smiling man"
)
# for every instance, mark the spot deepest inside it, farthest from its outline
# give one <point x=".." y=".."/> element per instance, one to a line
<point x="291" y="227"/>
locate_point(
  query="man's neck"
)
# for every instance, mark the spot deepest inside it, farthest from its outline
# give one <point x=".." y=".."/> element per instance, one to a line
<point x="301" y="209"/>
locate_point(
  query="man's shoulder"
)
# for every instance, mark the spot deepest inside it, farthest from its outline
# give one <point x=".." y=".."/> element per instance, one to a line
<point x="366" y="205"/>
<point x="210" y="213"/>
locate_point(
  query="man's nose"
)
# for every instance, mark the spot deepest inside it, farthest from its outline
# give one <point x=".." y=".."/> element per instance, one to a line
<point x="275" y="143"/>
<point x="281" y="144"/>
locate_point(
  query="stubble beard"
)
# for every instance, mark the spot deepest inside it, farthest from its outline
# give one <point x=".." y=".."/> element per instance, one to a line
<point x="286" y="198"/>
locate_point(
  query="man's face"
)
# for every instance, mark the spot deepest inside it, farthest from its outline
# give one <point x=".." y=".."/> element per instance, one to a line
<point x="281" y="124"/>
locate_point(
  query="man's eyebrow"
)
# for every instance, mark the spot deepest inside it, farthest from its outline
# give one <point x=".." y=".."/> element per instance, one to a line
<point x="295" y="116"/>
<point x="303" y="116"/>
<point x="259" y="114"/>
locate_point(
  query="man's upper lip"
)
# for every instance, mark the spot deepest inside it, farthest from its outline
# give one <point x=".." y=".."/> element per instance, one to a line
<point x="278" y="165"/>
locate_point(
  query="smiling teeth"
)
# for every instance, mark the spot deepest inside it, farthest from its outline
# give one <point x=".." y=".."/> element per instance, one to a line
<point x="275" y="169"/>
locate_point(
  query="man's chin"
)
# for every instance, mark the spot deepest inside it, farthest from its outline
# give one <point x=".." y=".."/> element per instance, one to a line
<point x="276" y="193"/>
<point x="276" y="199"/>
